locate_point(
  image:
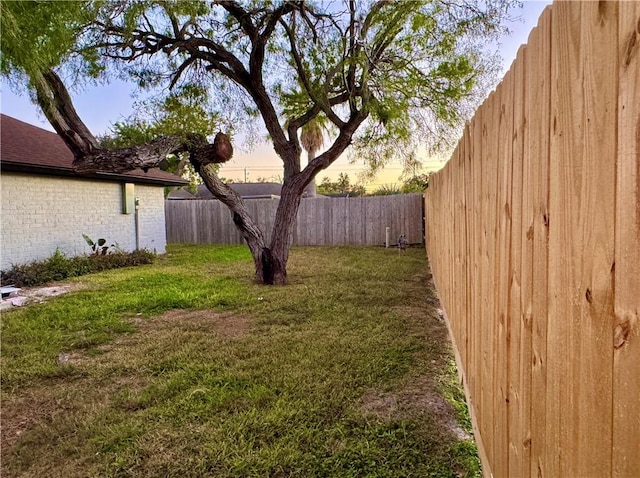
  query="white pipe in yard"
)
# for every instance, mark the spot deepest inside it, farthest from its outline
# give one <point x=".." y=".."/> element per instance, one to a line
<point x="387" y="239"/>
<point x="137" y="223"/>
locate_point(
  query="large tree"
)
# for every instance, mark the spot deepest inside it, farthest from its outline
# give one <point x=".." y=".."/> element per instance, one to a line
<point x="386" y="75"/>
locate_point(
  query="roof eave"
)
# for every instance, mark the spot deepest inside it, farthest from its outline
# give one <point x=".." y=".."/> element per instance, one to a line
<point x="17" y="167"/>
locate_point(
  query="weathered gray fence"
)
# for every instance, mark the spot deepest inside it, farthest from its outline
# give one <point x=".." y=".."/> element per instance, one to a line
<point x="321" y="221"/>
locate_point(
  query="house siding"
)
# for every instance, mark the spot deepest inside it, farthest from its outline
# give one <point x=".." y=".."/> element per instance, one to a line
<point x="41" y="214"/>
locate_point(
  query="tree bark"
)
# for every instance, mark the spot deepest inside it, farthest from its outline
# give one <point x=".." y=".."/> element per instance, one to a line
<point x="285" y="220"/>
<point x="57" y="106"/>
<point x="270" y="261"/>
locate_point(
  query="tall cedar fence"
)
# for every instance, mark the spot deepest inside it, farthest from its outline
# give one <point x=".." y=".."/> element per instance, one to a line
<point x="321" y="221"/>
<point x="533" y="233"/>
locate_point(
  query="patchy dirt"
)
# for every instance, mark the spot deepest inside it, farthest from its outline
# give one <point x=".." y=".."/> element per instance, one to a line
<point x="21" y="415"/>
<point x="417" y="396"/>
<point x="113" y="370"/>
<point x="226" y="325"/>
<point x="42" y="405"/>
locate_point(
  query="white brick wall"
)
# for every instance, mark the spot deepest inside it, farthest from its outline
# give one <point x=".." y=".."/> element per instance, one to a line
<point x="153" y="232"/>
<point x="42" y="213"/>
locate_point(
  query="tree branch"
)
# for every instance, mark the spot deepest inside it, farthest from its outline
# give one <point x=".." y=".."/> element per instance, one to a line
<point x="338" y="147"/>
<point x="181" y="69"/>
<point x="120" y="160"/>
<point x="57" y="106"/>
<point x="89" y="157"/>
<point x="275" y="17"/>
<point x="241" y="15"/>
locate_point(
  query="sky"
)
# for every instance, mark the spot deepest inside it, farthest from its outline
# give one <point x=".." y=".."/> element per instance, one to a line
<point x="101" y="106"/>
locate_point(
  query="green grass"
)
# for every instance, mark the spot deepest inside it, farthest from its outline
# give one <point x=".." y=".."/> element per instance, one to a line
<point x="186" y="368"/>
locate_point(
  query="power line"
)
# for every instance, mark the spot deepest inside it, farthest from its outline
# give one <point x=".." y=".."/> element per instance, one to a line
<point x="341" y="168"/>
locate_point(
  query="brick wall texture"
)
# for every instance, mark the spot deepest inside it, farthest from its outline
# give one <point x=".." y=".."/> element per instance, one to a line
<point x="42" y="213"/>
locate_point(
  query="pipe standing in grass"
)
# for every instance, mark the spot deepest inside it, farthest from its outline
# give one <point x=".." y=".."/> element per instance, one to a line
<point x="402" y="243"/>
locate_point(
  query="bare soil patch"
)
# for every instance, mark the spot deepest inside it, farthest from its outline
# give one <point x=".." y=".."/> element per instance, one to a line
<point x="40" y="294"/>
<point x="21" y="415"/>
<point x="418" y="396"/>
<point x="41" y="405"/>
<point x="225" y="324"/>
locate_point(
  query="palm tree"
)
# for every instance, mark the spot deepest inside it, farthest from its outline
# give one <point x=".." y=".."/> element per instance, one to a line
<point x="311" y="139"/>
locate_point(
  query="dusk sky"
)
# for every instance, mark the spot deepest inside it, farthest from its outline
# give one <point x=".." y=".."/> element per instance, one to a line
<point x="101" y="106"/>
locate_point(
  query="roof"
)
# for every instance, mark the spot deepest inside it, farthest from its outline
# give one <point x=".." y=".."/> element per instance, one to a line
<point x="180" y="194"/>
<point x="246" y="190"/>
<point x="29" y="149"/>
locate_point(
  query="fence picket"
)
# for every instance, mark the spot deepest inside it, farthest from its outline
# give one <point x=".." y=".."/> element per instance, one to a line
<point x="626" y="332"/>
<point x="517" y="340"/>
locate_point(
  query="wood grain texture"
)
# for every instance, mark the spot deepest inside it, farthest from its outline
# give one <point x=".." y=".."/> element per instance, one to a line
<point x="595" y="256"/>
<point x="518" y="341"/>
<point x="502" y="256"/>
<point x="538" y="150"/>
<point x="487" y="214"/>
<point x="626" y="330"/>
<point x="534" y="234"/>
<point x="468" y="244"/>
<point x="566" y="167"/>
<point x="475" y="373"/>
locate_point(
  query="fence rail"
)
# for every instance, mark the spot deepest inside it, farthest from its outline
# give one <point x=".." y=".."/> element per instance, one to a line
<point x="533" y="234"/>
<point x="321" y="221"/>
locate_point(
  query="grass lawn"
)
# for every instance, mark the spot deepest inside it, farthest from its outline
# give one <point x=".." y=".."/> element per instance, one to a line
<point x="186" y="368"/>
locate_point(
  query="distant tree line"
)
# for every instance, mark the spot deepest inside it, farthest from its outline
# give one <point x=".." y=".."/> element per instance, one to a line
<point x="343" y="187"/>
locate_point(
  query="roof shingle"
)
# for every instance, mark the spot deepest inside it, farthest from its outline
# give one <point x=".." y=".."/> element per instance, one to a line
<point x="28" y="148"/>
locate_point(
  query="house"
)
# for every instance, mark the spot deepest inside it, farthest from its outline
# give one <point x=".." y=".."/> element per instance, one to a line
<point x="46" y="206"/>
<point x="180" y="194"/>
<point x="246" y="191"/>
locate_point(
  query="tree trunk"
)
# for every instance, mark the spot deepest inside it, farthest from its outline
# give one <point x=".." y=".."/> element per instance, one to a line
<point x="282" y="235"/>
<point x="292" y="189"/>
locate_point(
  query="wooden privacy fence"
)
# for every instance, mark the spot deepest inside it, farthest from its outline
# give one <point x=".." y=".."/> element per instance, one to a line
<point x="533" y="233"/>
<point x="321" y="221"/>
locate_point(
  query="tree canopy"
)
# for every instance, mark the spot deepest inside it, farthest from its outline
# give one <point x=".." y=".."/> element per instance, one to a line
<point x="385" y="76"/>
<point x="342" y="186"/>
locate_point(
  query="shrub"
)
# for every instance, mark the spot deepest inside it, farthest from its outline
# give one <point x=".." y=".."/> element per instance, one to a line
<point x="59" y="267"/>
<point x="120" y="259"/>
<point x="387" y="190"/>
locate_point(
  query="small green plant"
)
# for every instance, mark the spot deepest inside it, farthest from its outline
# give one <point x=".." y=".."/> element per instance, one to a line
<point x="98" y="247"/>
